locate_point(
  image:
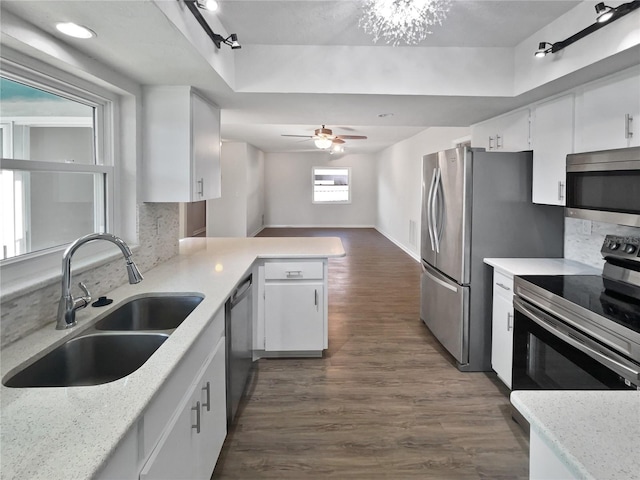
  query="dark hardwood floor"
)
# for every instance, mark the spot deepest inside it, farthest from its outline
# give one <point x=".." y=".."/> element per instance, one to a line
<point x="384" y="402"/>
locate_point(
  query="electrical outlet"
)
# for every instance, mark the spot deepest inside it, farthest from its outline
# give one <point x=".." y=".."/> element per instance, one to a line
<point x="585" y="227"/>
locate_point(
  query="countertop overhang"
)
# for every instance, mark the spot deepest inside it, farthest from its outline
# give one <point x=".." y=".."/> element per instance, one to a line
<point x="71" y="432"/>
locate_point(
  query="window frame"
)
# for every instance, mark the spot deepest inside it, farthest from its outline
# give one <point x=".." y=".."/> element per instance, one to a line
<point x="313" y="185"/>
<point x="44" y="264"/>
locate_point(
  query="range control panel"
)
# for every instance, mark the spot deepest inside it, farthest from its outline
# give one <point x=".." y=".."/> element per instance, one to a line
<point x="621" y="247"/>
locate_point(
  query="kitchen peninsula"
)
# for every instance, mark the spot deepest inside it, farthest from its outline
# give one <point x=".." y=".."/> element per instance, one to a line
<point x="75" y="432"/>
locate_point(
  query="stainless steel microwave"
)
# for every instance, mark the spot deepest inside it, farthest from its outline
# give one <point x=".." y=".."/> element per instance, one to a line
<point x="604" y="186"/>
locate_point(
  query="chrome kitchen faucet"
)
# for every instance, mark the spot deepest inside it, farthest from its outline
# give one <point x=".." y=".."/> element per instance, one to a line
<point x="68" y="305"/>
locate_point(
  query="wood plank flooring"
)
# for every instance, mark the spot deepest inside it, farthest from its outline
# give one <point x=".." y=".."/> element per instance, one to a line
<point x="385" y="401"/>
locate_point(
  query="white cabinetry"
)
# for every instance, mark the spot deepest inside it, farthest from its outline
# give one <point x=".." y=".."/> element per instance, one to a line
<point x="295" y="312"/>
<point x="192" y="440"/>
<point x="552" y="140"/>
<point x="181" y="144"/>
<point x="544" y="463"/>
<point x="609" y="114"/>
<point x="502" y="327"/>
<point x="508" y="133"/>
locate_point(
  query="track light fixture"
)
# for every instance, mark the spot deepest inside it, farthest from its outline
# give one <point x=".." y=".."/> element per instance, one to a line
<point x="606" y="15"/>
<point x="210" y="5"/>
<point x="604" y="12"/>
<point x="543" y="50"/>
<point x="218" y="40"/>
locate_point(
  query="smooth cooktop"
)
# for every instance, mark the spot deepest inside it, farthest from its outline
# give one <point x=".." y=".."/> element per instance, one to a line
<point x="588" y="291"/>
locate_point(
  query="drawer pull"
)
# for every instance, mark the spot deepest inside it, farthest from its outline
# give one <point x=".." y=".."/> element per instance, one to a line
<point x="509" y="321"/>
<point x="503" y="286"/>
<point x="294" y="273"/>
<point x="197" y="425"/>
<point x="207" y="389"/>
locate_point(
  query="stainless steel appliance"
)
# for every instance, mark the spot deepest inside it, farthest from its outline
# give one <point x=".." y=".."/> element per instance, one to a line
<point x="476" y="204"/>
<point x="605" y="186"/>
<point x="580" y="332"/>
<point x="239" y="342"/>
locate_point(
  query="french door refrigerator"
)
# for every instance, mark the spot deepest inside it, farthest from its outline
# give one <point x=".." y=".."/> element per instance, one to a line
<point x="476" y="204"/>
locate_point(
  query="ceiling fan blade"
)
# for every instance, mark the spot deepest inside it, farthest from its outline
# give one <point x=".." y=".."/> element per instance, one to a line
<point x="351" y="137"/>
<point x="302" y="136"/>
<point x="338" y="140"/>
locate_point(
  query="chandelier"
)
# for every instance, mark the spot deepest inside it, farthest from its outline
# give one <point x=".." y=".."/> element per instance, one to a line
<point x="398" y="21"/>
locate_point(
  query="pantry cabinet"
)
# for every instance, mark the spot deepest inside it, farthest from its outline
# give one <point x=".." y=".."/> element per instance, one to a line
<point x="552" y="139"/>
<point x="507" y="133"/>
<point x="294" y="308"/>
<point x="181" y="145"/>
<point x="608" y="114"/>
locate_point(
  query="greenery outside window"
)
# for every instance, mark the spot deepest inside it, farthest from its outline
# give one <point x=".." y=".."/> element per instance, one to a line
<point x="331" y="185"/>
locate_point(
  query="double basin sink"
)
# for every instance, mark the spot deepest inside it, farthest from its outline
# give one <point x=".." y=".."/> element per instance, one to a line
<point x="116" y="346"/>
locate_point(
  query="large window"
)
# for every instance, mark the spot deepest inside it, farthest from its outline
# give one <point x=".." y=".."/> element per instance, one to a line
<point x="54" y="180"/>
<point x="331" y="185"/>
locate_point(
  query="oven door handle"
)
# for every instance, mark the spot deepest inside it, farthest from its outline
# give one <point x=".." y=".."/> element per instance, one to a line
<point x="561" y="331"/>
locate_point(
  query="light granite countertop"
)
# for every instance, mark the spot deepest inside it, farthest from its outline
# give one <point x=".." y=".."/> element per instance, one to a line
<point x="596" y="434"/>
<point x="66" y="433"/>
<point x="540" y="266"/>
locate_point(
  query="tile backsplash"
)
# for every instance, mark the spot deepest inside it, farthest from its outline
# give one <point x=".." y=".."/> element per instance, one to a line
<point x="158" y="232"/>
<point x="583" y="239"/>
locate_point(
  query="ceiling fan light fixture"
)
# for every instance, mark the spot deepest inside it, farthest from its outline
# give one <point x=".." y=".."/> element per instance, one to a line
<point x="323" y="143"/>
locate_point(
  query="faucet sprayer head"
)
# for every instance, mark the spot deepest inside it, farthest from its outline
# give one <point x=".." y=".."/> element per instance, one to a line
<point x="134" y="274"/>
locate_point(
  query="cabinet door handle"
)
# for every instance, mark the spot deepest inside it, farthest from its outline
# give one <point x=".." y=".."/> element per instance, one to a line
<point x="490" y="143"/>
<point x="498" y="145"/>
<point x="207" y="389"/>
<point x="560" y="190"/>
<point x="201" y="187"/>
<point x="315" y="298"/>
<point x="628" y="126"/>
<point x="197" y="425"/>
<point x="509" y="321"/>
<point x="503" y="286"/>
<point x="294" y="273"/>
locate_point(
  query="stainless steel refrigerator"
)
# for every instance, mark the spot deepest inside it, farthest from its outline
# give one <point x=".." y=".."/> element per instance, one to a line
<point x="476" y="204"/>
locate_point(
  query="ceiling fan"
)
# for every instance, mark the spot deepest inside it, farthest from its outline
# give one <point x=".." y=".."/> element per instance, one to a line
<point x="324" y="137"/>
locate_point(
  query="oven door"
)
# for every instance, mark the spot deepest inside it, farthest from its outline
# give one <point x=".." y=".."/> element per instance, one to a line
<point x="550" y="355"/>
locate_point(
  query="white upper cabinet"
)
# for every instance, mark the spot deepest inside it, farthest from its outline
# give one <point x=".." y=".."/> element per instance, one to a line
<point x="507" y="133"/>
<point x="608" y="114"/>
<point x="552" y="139"/>
<point x="181" y="142"/>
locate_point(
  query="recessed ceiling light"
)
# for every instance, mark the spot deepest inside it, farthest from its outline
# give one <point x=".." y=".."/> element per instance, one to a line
<point x="382" y="115"/>
<point x="76" y="31"/>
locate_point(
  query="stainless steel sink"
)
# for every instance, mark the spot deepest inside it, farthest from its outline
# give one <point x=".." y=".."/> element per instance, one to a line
<point x="150" y="313"/>
<point x="90" y="360"/>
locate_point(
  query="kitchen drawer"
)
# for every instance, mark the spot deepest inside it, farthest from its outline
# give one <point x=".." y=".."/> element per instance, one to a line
<point x="293" y="270"/>
<point x="502" y="285"/>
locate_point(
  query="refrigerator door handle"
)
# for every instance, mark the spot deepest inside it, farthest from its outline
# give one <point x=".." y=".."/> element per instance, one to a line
<point x="434" y="205"/>
<point x="438" y="281"/>
<point x="430" y="209"/>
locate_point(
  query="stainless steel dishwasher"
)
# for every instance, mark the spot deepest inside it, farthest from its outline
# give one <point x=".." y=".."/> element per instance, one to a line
<point x="239" y="341"/>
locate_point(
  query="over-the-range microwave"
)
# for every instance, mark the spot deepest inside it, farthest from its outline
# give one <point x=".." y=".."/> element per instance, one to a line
<point x="604" y="186"/>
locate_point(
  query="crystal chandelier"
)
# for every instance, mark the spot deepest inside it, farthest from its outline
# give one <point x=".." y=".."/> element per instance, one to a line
<point x="398" y="21"/>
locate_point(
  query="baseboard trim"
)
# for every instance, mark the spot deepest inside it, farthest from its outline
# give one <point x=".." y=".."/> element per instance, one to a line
<point x="256" y="232"/>
<point x="319" y="226"/>
<point x="413" y="255"/>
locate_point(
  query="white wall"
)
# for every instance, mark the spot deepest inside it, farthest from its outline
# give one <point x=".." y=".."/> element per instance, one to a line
<point x="227" y="215"/>
<point x="288" y="191"/>
<point x="255" y="190"/>
<point x="400" y="184"/>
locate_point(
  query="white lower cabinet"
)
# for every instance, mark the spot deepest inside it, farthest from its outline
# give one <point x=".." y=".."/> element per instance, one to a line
<point x="191" y="442"/>
<point x="292" y="308"/>
<point x="502" y="327"/>
<point x="544" y="463"/>
<point x="294" y="316"/>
